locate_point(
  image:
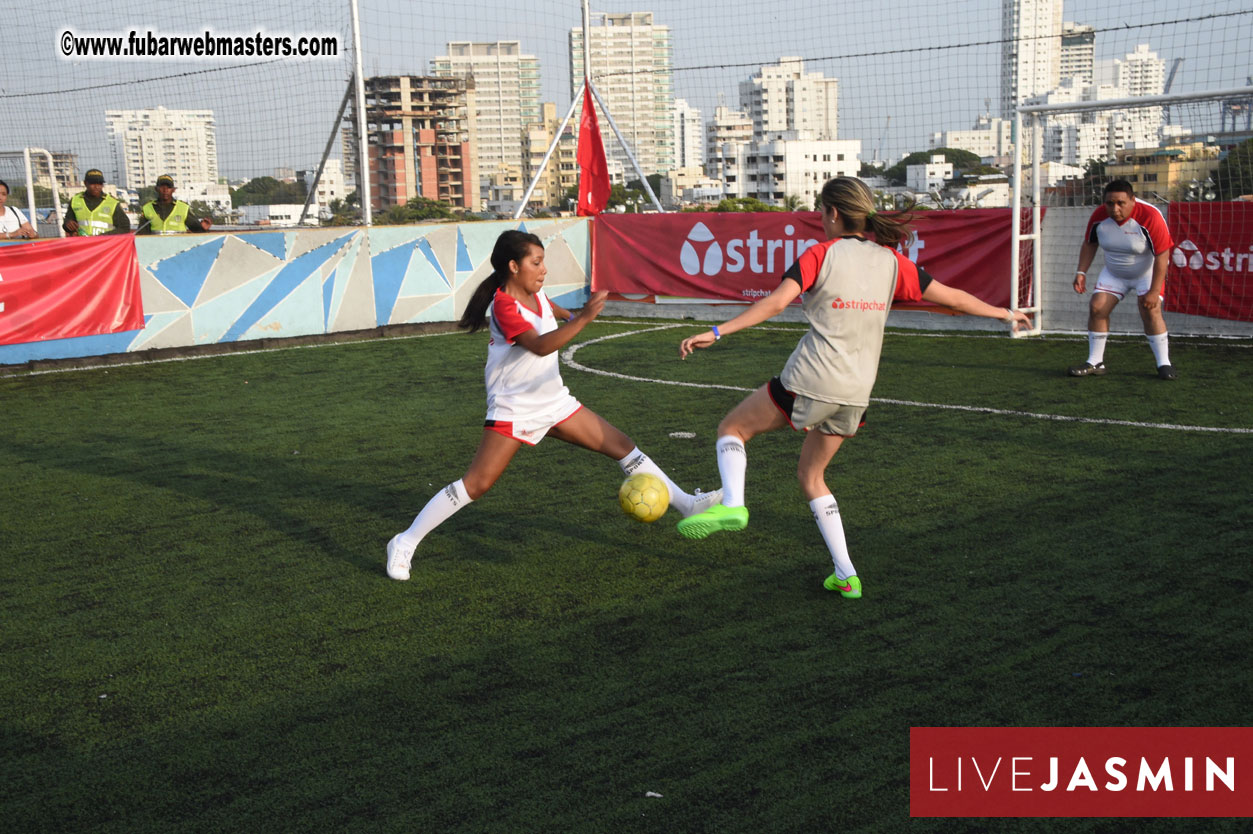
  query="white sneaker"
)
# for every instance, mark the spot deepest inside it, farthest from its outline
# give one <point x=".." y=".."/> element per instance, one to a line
<point x="398" y="559"/>
<point x="703" y="501"/>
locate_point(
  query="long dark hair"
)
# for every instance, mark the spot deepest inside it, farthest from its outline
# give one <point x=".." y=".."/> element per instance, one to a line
<point x="853" y="200"/>
<point x="510" y="246"/>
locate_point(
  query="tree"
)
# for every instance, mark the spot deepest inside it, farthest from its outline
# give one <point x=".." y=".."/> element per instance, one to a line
<point x="200" y="208"/>
<point x="654" y="182"/>
<point x="17" y="196"/>
<point x="744" y="204"/>
<point x="961" y="161"/>
<point x="417" y="210"/>
<point x="345" y="212"/>
<point x="792" y="202"/>
<point x="1235" y="173"/>
<point x="871" y="169"/>
<point x="263" y="191"/>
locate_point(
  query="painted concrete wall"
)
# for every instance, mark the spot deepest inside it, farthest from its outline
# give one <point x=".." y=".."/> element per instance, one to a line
<point x="239" y="286"/>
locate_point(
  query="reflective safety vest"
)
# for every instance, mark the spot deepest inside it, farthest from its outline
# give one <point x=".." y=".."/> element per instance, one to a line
<point x="97" y="222"/>
<point x="175" y="224"/>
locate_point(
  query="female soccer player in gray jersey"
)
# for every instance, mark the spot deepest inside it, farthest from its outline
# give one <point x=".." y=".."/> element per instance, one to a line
<point x="849" y="284"/>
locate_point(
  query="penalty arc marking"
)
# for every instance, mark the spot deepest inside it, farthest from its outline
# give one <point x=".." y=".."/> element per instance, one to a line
<point x="567" y="357"/>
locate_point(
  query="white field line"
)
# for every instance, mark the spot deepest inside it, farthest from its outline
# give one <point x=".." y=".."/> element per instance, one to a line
<point x="224" y="355"/>
<point x="567" y="356"/>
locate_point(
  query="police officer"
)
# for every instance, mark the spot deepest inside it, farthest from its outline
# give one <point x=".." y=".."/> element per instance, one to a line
<point x="167" y="216"/>
<point x="93" y="212"/>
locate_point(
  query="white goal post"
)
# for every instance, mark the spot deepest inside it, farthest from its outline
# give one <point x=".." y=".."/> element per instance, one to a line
<point x="27" y="171"/>
<point x="1028" y="129"/>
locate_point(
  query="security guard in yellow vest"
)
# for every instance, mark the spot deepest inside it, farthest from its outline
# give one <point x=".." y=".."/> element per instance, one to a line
<point x="167" y="216"/>
<point x="93" y="212"/>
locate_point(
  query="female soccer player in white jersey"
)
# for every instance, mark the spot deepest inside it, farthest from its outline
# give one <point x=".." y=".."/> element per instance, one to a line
<point x="1137" y="252"/>
<point x="849" y="284"/>
<point x="526" y="398"/>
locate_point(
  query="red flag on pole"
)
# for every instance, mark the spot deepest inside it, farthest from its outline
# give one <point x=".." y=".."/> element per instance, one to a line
<point x="594" y="184"/>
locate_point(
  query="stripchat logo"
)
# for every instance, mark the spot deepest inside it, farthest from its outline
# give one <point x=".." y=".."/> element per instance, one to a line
<point x="857" y="304"/>
<point x="1188" y="255"/>
<point x="703" y="254"/>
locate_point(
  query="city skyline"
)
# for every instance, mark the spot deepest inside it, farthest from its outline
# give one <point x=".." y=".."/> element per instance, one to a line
<point x="881" y="66"/>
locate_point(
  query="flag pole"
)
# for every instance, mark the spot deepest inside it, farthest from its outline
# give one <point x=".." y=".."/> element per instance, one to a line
<point x="626" y="149"/>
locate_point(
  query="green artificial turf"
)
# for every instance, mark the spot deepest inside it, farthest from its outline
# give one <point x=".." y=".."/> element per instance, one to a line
<point x="198" y="634"/>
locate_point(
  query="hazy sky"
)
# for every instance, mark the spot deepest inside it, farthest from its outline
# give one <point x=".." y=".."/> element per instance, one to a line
<point x="924" y="66"/>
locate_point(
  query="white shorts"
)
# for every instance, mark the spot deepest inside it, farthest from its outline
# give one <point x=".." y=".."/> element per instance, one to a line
<point x="531" y="428"/>
<point x="1119" y="287"/>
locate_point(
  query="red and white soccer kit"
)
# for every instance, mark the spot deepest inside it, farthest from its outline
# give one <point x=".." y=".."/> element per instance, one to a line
<point x="525" y="394"/>
<point x="1130" y="248"/>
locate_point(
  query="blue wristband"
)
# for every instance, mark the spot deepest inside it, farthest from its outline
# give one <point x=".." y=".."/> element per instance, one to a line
<point x="717" y="335"/>
<point x="570" y="318"/>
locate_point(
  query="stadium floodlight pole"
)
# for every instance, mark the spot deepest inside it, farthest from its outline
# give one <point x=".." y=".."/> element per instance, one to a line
<point x="526" y="198"/>
<point x="626" y="148"/>
<point x="363" y="139"/>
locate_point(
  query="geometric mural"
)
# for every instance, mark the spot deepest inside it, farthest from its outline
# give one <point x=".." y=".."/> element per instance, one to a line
<point x="235" y="286"/>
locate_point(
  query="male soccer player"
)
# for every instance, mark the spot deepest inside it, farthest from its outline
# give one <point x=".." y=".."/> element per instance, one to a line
<point x="1137" y="252"/>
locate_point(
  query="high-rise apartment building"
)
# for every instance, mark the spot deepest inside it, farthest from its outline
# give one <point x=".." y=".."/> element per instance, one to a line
<point x="1138" y="73"/>
<point x="506" y="97"/>
<point x="783" y="97"/>
<point x="421" y="140"/>
<point x="64" y="175"/>
<point x="1031" y="51"/>
<point x="562" y="171"/>
<point x="1076" y="138"/>
<point x="149" y="143"/>
<point x="1078" y="53"/>
<point x="632" y="68"/>
<point x="689" y="136"/>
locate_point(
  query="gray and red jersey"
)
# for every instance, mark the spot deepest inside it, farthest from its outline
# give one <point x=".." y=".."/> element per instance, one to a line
<point x="849" y="285"/>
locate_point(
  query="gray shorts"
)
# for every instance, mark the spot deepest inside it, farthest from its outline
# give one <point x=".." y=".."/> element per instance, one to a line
<point x="803" y="413"/>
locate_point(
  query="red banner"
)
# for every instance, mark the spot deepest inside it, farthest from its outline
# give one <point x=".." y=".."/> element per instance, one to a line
<point x="80" y="286"/>
<point x="741" y="256"/>
<point x="1081" y="771"/>
<point x="1211" y="266"/>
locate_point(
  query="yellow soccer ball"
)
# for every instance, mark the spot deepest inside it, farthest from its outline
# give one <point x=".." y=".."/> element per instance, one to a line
<point x="644" y="497"/>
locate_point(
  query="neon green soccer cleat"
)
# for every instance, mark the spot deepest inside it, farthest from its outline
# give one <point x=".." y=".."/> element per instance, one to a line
<point x="849" y="588"/>
<point x="718" y="517"/>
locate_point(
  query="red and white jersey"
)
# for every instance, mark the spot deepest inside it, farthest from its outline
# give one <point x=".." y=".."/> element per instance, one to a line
<point x="520" y="383"/>
<point x="1131" y="246"/>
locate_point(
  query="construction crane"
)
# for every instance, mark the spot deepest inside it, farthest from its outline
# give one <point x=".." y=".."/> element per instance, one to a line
<point x="882" y="136"/>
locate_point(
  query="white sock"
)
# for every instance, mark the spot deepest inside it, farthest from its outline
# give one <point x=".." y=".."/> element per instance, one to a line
<point x="827" y="513"/>
<point x="637" y="461"/>
<point x="732" y="466"/>
<point x="1096" y="347"/>
<point x="438" y="510"/>
<point x="1161" y="351"/>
